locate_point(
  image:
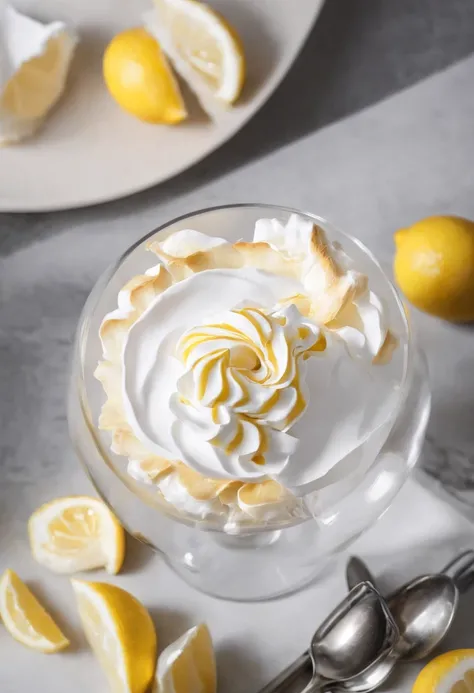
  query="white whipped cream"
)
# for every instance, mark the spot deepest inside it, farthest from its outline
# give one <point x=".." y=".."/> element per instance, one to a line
<point x="242" y="387"/>
<point x="222" y="371"/>
<point x="155" y="376"/>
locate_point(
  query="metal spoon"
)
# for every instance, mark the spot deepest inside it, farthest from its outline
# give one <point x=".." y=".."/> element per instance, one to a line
<point x="460" y="569"/>
<point x="359" y="632"/>
<point x="358" y="571"/>
<point x="424" y="608"/>
<point x="461" y="572"/>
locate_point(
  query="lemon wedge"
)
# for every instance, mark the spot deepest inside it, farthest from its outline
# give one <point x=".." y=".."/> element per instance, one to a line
<point x="204" y="49"/>
<point x="76" y="533"/>
<point x="121" y="634"/>
<point x="451" y="672"/>
<point x="137" y="75"/>
<point x="25" y="618"/>
<point x="188" y="664"/>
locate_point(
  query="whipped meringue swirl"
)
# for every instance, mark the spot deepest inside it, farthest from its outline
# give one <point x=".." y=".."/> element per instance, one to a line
<point x="243" y="386"/>
<point x="240" y="377"/>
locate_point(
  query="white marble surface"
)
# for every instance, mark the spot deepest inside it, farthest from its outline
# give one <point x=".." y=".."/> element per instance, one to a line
<point x="375" y="171"/>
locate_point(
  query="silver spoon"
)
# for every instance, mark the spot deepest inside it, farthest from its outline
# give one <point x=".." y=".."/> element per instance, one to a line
<point x="357" y="571"/>
<point x="460" y="569"/>
<point x="424" y="608"/>
<point x="423" y="611"/>
<point x="357" y="633"/>
<point x="461" y="572"/>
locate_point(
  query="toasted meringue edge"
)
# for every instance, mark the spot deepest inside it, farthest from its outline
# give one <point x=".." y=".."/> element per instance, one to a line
<point x="134" y="298"/>
<point x="139" y="292"/>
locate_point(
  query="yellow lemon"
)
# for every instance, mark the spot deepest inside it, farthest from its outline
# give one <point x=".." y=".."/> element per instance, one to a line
<point x="451" y="672"/>
<point x="203" y="47"/>
<point x="139" y="78"/>
<point x="188" y="664"/>
<point x="25" y="618"/>
<point x="434" y="266"/>
<point x="76" y="533"/>
<point x="121" y="634"/>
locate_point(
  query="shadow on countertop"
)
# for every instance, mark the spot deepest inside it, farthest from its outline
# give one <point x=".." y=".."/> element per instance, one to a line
<point x="359" y="52"/>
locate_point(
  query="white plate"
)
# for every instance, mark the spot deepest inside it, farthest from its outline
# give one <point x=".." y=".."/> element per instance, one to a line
<point x="89" y="151"/>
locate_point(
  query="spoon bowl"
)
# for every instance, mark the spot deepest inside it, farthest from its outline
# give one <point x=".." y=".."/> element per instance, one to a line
<point x="423" y="611"/>
<point x="358" y="633"/>
<point x="370" y="679"/>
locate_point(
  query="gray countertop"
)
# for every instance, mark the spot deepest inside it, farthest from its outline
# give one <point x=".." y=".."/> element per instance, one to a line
<point x="372" y="129"/>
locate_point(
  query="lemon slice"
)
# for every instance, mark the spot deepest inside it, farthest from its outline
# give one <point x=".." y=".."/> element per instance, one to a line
<point x="120" y="632"/>
<point x="451" y="672"/>
<point x="204" y="49"/>
<point x="25" y="619"/>
<point x="188" y="664"/>
<point x="76" y="533"/>
<point x="138" y="77"/>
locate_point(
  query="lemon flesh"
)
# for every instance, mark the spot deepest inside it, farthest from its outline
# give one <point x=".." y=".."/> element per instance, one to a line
<point x="451" y="672"/>
<point x="139" y="78"/>
<point x="204" y="49"/>
<point x="121" y="634"/>
<point x="25" y="619"/>
<point x="76" y="533"/>
<point x="188" y="664"/>
<point x="434" y="266"/>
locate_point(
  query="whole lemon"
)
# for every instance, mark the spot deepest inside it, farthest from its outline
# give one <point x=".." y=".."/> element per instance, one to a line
<point x="434" y="266"/>
<point x="138" y="76"/>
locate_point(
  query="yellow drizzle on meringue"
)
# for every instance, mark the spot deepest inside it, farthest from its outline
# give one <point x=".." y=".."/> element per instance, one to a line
<point x="242" y="378"/>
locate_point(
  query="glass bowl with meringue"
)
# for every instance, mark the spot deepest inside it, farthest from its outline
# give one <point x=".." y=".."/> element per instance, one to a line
<point x="247" y="396"/>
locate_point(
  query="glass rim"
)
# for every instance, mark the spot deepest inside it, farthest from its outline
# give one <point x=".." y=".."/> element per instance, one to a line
<point x="82" y="333"/>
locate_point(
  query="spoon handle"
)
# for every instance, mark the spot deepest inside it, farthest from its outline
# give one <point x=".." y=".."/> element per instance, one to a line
<point x="281" y="682"/>
<point x="461" y="570"/>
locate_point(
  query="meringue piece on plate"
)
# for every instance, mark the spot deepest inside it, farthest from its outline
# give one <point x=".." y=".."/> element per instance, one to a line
<point x="34" y="64"/>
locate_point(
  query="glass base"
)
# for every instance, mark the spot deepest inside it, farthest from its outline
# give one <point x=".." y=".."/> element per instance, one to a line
<point x="249" y="568"/>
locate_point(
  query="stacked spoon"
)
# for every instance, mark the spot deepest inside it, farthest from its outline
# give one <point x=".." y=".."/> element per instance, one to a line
<point x="359" y="644"/>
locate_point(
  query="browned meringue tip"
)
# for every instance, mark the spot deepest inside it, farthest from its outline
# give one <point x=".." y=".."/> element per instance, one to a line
<point x="228" y="493"/>
<point x="197" y="485"/>
<point x="341" y="287"/>
<point x="155" y="468"/>
<point x="221" y="256"/>
<point x="261" y="493"/>
<point x="143" y="288"/>
<point x="319" y="247"/>
<point x="385" y="352"/>
<point x="113" y="332"/>
<point x="112" y="416"/>
<point x="262" y="256"/>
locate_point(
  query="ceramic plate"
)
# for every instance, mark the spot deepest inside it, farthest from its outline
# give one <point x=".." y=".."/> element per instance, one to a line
<point x="89" y="151"/>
